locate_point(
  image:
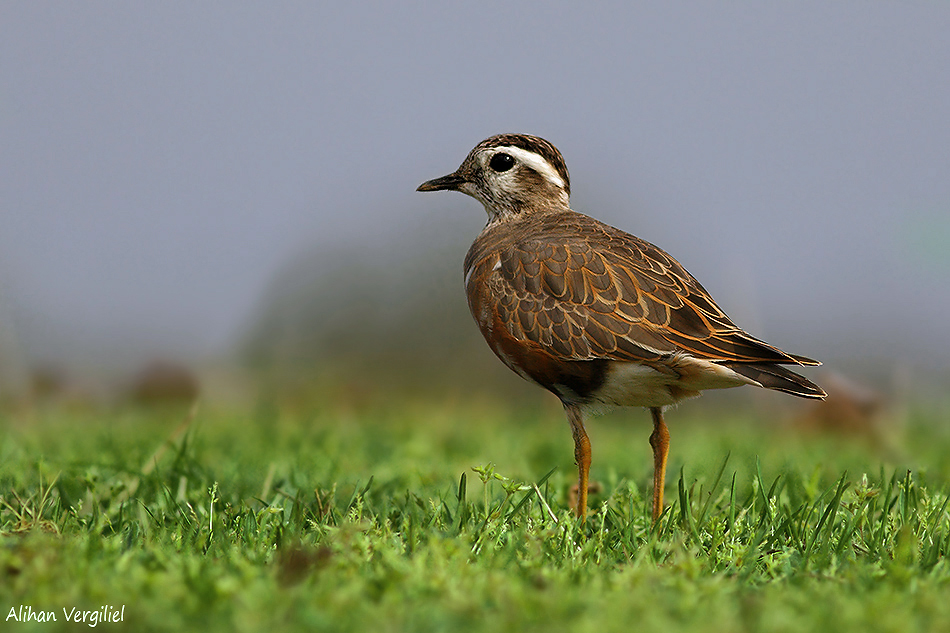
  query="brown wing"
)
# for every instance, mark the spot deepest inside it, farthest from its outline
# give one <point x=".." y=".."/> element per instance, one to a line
<point x="584" y="290"/>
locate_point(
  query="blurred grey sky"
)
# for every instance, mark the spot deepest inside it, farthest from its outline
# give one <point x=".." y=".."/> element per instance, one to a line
<point x="162" y="161"/>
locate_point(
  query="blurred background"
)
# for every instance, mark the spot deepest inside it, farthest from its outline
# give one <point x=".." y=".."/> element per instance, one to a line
<point x="205" y="197"/>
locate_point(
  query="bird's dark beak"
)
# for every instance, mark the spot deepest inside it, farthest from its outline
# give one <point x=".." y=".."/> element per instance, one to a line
<point x="452" y="182"/>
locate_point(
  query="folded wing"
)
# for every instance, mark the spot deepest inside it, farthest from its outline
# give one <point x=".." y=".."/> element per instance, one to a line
<point x="584" y="291"/>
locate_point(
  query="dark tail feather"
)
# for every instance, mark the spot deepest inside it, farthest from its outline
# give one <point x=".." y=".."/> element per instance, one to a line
<point x="776" y="377"/>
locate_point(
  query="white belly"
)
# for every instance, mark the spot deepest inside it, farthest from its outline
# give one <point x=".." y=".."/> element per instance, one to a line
<point x="664" y="383"/>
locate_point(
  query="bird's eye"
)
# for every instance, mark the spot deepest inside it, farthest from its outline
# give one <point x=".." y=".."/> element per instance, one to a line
<point x="501" y="162"/>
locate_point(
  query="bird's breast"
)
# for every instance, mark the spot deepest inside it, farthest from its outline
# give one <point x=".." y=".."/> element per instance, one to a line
<point x="571" y="380"/>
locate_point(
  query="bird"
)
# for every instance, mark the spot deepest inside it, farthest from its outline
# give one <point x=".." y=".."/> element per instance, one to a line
<point x="597" y="316"/>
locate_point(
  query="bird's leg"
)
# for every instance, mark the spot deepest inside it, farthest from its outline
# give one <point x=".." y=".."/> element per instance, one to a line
<point x="660" y="441"/>
<point x="581" y="456"/>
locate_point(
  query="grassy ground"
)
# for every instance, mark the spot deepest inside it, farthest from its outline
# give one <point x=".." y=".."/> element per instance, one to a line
<point x="453" y="517"/>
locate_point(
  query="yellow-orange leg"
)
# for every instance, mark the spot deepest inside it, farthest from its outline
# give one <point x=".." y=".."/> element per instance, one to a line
<point x="581" y="456"/>
<point x="660" y="441"/>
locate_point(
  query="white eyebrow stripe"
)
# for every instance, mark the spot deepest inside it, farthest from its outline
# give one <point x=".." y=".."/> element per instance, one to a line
<point x="536" y="162"/>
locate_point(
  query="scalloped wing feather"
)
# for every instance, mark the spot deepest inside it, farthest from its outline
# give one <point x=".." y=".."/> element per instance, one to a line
<point x="586" y="290"/>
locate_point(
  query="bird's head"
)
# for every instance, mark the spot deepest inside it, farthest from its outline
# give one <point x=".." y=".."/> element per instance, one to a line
<point x="510" y="174"/>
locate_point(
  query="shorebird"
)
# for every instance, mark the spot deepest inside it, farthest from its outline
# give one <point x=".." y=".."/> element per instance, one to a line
<point x="596" y="316"/>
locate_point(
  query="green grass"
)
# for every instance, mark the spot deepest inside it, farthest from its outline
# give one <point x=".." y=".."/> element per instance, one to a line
<point x="453" y="516"/>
